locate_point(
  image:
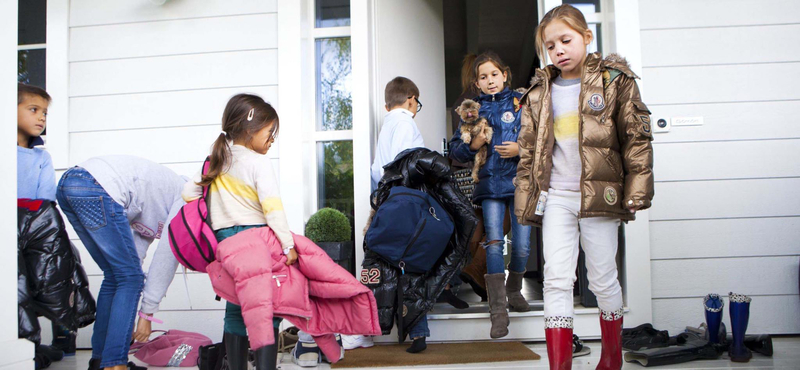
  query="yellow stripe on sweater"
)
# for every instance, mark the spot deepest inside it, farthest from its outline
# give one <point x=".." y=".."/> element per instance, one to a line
<point x="234" y="186"/>
<point x="269" y="205"/>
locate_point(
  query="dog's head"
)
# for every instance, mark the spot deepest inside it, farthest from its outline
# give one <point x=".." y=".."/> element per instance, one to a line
<point x="468" y="110"/>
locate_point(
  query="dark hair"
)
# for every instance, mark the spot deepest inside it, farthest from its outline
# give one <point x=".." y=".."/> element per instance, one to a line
<point x="238" y="122"/>
<point x="398" y="91"/>
<point x="468" y="74"/>
<point x="24" y="90"/>
<point x="492" y="57"/>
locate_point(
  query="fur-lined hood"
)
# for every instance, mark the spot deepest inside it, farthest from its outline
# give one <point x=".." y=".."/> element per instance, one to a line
<point x="613" y="63"/>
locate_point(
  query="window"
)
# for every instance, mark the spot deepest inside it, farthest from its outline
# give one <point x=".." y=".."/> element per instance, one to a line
<point x="594" y="11"/>
<point x="333" y="116"/>
<point x="31" y="41"/>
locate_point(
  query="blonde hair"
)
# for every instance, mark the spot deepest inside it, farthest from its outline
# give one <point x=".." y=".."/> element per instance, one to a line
<point x="567" y="14"/>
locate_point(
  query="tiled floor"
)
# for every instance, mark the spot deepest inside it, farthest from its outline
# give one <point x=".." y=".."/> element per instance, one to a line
<point x="787" y="356"/>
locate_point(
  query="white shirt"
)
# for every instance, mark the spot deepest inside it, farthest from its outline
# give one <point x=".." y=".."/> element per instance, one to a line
<point x="399" y="132"/>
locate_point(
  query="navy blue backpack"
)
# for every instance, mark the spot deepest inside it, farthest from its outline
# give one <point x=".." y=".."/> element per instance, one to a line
<point x="410" y="230"/>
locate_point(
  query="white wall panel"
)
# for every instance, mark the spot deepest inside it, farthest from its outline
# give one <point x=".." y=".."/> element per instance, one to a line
<point x="768" y="314"/>
<point x="717" y="84"/>
<point x="729" y="237"/>
<point x="746" y="275"/>
<point x="93" y="12"/>
<point x="730" y="45"/>
<point x="716" y="13"/>
<point x="162" y="145"/>
<point x="731" y="121"/>
<point x="727" y="160"/>
<point x="186" y="36"/>
<point x="184" y="72"/>
<point x="206" y="322"/>
<point x="152" y="110"/>
<point x="726" y="199"/>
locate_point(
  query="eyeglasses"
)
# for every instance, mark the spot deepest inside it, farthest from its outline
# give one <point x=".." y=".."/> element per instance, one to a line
<point x="419" y="104"/>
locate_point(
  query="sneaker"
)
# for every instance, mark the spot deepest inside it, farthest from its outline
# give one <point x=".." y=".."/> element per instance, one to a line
<point x="356" y="341"/>
<point x="306" y="354"/>
<point x="341" y="350"/>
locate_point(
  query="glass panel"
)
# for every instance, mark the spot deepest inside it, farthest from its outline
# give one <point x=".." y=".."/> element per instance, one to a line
<point x="32" y="22"/>
<point x="597" y="42"/>
<point x="585" y="6"/>
<point x="30" y="67"/>
<point x="334" y="99"/>
<point x="335" y="176"/>
<point x="332" y="13"/>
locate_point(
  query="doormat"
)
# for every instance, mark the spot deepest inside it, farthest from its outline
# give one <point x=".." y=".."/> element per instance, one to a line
<point x="436" y="354"/>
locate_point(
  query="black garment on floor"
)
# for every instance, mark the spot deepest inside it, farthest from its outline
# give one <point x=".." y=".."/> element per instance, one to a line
<point x="644" y="336"/>
<point x="427" y="171"/>
<point x="689" y="347"/>
<point x="51" y="281"/>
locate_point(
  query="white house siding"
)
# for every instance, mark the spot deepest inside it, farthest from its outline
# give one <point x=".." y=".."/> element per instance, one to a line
<point x="152" y="81"/>
<point x="726" y="216"/>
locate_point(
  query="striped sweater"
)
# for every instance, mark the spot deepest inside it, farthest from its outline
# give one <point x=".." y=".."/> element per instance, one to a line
<point x="246" y="194"/>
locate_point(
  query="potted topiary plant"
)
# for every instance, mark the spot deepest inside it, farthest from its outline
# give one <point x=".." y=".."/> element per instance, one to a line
<point x="331" y="231"/>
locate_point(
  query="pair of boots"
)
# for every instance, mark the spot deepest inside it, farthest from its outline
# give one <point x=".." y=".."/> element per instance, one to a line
<point x="740" y="315"/>
<point x="503" y="293"/>
<point x="558" y="334"/>
<point x="237" y="348"/>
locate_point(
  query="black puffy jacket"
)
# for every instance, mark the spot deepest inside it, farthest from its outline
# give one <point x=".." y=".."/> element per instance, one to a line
<point x="427" y="171"/>
<point x="51" y="281"/>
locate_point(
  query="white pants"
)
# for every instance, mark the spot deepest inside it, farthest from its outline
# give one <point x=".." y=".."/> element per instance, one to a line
<point x="562" y="231"/>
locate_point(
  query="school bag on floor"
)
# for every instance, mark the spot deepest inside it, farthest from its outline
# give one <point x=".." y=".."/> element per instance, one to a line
<point x="190" y="234"/>
<point x="174" y="348"/>
<point x="410" y="230"/>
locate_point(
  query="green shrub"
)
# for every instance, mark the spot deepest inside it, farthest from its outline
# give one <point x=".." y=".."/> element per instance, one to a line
<point x="328" y="225"/>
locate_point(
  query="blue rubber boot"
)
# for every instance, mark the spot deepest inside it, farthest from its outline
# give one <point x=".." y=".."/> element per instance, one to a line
<point x="740" y="314"/>
<point x="713" y="308"/>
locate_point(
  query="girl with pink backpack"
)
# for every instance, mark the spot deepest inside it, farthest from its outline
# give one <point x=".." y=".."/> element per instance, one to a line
<point x="118" y="205"/>
<point x="243" y="194"/>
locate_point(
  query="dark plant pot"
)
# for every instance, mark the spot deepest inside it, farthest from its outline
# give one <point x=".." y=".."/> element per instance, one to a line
<point x="341" y="253"/>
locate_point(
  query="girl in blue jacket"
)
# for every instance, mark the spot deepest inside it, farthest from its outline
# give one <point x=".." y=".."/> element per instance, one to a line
<point x="495" y="189"/>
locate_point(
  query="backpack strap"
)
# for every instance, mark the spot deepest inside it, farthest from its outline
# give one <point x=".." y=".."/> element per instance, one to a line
<point x="206" y="165"/>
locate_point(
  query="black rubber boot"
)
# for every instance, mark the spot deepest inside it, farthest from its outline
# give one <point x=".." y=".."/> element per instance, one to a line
<point x="63" y="339"/>
<point x="267" y="356"/>
<point x="237" y="348"/>
<point x="689" y="347"/>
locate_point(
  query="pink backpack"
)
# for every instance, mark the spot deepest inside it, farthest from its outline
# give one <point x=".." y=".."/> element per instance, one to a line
<point x="190" y="235"/>
<point x="172" y="349"/>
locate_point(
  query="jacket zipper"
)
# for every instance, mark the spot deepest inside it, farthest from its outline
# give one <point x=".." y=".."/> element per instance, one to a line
<point x="414" y="239"/>
<point x="580" y="134"/>
<point x="278" y="280"/>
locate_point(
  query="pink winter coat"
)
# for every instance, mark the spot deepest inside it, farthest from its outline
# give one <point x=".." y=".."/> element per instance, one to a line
<point x="315" y="294"/>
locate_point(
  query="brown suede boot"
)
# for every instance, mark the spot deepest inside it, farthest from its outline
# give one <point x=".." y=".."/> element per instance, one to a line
<point x="495" y="284"/>
<point x="473" y="273"/>
<point x="513" y="288"/>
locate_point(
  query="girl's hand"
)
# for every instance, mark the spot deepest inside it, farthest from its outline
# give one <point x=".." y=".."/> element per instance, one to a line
<point x="477" y="141"/>
<point x="143" y="330"/>
<point x="509" y="149"/>
<point x="291" y="258"/>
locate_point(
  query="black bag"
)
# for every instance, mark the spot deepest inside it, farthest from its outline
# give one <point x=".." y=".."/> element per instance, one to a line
<point x="212" y="357"/>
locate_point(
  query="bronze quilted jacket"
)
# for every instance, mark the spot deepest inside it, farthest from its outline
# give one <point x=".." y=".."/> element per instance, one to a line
<point x="614" y="142"/>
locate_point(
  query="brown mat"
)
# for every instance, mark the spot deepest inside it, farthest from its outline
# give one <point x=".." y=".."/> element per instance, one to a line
<point x="437" y="354"/>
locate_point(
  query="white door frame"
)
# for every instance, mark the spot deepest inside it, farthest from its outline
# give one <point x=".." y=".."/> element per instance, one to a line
<point x="367" y="105"/>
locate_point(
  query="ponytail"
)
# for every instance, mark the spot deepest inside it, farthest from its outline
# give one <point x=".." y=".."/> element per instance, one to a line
<point x="220" y="156"/>
<point x="244" y="115"/>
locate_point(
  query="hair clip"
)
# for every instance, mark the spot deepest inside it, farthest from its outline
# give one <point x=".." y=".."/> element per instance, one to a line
<point x="250" y="114"/>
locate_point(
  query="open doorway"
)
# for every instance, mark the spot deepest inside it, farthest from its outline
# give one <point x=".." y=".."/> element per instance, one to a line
<point x="507" y="28"/>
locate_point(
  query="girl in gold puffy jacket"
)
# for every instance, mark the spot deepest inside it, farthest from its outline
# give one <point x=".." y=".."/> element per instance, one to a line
<point x="585" y="164"/>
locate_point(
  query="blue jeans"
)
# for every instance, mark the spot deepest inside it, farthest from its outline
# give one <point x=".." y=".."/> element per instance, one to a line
<point x="102" y="226"/>
<point x="421" y="329"/>
<point x="494" y="212"/>
<point x="234" y="321"/>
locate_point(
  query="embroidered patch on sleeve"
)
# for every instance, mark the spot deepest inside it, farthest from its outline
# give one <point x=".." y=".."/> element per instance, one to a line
<point x="370" y="276"/>
<point x="645" y="126"/>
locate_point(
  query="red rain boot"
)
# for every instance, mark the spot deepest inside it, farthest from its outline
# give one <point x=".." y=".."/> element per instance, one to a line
<point x="611" y="332"/>
<point x="559" y="347"/>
